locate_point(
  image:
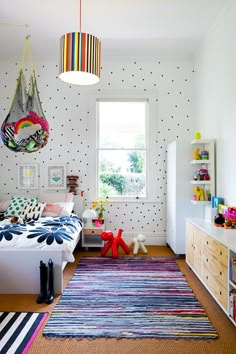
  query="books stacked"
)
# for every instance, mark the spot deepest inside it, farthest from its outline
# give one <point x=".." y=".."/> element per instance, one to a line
<point x="232" y="294"/>
<point x="232" y="269"/>
<point x="232" y="304"/>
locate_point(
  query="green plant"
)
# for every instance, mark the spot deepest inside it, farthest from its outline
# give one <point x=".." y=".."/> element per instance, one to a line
<point x="100" y="206"/>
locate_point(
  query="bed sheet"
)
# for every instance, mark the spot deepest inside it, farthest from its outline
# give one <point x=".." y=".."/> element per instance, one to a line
<point x="56" y="233"/>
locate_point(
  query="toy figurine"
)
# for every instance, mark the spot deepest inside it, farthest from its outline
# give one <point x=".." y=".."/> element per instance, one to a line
<point x="113" y="243"/>
<point x="138" y="243"/>
<point x="196" y="154"/>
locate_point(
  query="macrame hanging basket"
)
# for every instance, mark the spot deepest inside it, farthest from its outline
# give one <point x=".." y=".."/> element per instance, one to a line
<point x="25" y="128"/>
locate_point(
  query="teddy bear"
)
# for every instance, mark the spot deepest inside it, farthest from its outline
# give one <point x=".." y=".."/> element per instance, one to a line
<point x="16" y="220"/>
<point x="138" y="243"/>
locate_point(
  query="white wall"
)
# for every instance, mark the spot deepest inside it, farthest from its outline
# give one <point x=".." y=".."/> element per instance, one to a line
<point x="67" y="109"/>
<point x="216" y="98"/>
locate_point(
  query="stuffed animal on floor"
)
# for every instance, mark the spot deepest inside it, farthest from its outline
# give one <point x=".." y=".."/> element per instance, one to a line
<point x="113" y="242"/>
<point x="138" y="243"/>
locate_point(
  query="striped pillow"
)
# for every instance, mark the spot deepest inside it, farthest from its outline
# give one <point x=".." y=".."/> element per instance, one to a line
<point x="32" y="211"/>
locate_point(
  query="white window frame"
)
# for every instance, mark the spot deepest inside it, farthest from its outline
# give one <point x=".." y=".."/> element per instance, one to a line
<point x="151" y="123"/>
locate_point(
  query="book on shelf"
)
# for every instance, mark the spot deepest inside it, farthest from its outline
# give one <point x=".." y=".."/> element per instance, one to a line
<point x="232" y="269"/>
<point x="232" y="304"/>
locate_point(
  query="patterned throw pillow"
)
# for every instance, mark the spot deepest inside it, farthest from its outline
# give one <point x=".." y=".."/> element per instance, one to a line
<point x="17" y="204"/>
<point x="32" y="211"/>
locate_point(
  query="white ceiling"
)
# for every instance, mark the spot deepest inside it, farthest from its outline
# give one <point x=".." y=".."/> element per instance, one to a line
<point x="124" y="26"/>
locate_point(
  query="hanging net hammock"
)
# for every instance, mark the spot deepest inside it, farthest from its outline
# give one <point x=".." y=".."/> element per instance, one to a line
<point x="25" y="128"/>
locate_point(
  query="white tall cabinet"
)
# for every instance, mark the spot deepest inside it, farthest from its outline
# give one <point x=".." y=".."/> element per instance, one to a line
<point x="179" y="195"/>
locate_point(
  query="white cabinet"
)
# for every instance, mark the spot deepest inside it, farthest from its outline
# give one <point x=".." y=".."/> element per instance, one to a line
<point x="178" y="194"/>
<point x="206" y="187"/>
<point x="210" y="253"/>
<point x="91" y="236"/>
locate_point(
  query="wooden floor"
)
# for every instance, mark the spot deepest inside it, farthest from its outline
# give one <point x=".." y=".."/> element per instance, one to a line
<point x="227" y="332"/>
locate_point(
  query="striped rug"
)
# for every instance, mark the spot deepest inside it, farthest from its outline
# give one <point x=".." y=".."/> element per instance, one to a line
<point x="141" y="297"/>
<point x="18" y="330"/>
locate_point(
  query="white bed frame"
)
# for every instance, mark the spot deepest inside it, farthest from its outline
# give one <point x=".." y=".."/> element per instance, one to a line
<point x="20" y="272"/>
<point x="19" y="269"/>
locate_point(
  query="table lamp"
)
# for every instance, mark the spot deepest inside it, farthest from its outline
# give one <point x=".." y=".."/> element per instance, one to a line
<point x="88" y="215"/>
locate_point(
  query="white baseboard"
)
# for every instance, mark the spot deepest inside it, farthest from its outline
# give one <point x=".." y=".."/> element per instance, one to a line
<point x="157" y="239"/>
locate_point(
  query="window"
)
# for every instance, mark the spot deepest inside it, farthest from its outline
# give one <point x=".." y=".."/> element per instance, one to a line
<point x="122" y="148"/>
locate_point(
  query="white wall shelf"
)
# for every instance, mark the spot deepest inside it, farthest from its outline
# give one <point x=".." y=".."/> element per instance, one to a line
<point x="200" y="162"/>
<point x="200" y="182"/>
<point x="208" y="186"/>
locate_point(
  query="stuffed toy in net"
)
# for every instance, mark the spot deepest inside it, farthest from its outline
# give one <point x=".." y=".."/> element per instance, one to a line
<point x="25" y="128"/>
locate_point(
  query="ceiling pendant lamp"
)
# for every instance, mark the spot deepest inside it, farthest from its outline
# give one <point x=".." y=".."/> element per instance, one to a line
<point x="80" y="58"/>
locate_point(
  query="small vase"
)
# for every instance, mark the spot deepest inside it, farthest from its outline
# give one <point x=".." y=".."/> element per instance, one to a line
<point x="100" y="218"/>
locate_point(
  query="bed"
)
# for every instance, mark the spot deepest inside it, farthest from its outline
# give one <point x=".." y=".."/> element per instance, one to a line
<point x="24" y="245"/>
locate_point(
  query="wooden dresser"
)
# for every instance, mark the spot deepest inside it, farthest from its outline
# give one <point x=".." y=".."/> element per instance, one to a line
<point x="209" y="251"/>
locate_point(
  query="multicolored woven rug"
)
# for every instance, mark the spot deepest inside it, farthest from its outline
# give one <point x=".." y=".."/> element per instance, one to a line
<point x="18" y="330"/>
<point x="141" y="297"/>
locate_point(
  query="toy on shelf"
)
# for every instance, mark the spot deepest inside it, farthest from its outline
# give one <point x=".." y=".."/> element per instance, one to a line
<point x="72" y="184"/>
<point x="196" y="154"/>
<point x="219" y="220"/>
<point x="138" y="243"/>
<point x="113" y="242"/>
<point x="230" y="218"/>
<point x="198" y="193"/>
<point x="204" y="155"/>
<point x="203" y="175"/>
<point x="197" y="135"/>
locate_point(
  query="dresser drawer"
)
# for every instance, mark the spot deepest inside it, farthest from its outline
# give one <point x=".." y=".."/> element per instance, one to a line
<point x="216" y="250"/>
<point x="215" y="286"/>
<point x="93" y="232"/>
<point x="217" y="269"/>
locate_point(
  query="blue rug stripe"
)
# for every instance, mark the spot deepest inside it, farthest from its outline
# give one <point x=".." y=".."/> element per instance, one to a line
<point x="138" y="297"/>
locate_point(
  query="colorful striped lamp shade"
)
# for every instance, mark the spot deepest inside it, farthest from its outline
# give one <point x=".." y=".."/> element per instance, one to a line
<point x="80" y="58"/>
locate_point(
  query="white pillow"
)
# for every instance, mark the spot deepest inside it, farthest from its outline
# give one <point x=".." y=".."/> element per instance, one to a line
<point x="32" y="211"/>
<point x="58" y="209"/>
<point x="4" y="205"/>
<point x="55" y="197"/>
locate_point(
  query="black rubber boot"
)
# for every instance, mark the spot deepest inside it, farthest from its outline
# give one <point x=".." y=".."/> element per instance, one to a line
<point x="43" y="283"/>
<point x="50" y="293"/>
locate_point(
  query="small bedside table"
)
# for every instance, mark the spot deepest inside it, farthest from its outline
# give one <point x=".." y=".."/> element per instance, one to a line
<point x="91" y="236"/>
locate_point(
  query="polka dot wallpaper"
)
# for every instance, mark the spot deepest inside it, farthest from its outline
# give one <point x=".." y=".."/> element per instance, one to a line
<point x="67" y="110"/>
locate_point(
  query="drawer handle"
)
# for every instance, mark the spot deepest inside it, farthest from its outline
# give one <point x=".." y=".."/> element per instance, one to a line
<point x="92" y="231"/>
<point x="207" y="259"/>
<point x="221" y="253"/>
<point x="207" y="277"/>
<point x="220" y="293"/>
<point x="207" y="242"/>
<point x="220" y="273"/>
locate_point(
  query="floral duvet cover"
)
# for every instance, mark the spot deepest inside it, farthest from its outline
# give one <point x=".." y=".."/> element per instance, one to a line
<point x="56" y="233"/>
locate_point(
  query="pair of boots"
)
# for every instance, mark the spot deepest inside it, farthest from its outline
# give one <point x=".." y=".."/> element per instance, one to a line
<point x="46" y="283"/>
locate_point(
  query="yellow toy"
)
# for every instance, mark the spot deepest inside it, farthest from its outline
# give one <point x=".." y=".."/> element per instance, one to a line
<point x="199" y="193"/>
<point x="196" y="154"/>
<point x="197" y="135"/>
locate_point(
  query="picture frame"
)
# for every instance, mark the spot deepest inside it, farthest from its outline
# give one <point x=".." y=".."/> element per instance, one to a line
<point x="27" y="176"/>
<point x="56" y="176"/>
